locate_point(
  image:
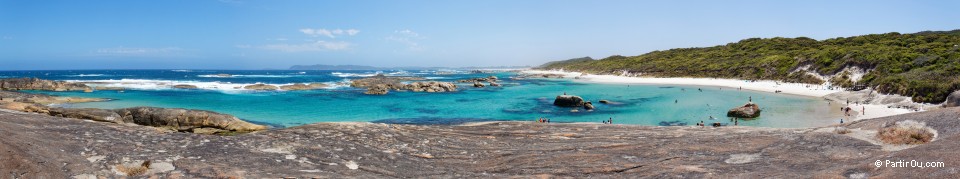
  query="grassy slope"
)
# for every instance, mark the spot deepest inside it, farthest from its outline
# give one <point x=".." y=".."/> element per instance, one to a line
<point x="924" y="65"/>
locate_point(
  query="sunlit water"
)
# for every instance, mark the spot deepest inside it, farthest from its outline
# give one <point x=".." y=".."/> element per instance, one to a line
<point x="517" y="100"/>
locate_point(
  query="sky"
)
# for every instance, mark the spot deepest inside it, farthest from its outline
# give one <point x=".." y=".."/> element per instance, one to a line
<point x="246" y="34"/>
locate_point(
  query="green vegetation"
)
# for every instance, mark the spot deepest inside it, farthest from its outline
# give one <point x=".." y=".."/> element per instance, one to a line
<point x="924" y="65"/>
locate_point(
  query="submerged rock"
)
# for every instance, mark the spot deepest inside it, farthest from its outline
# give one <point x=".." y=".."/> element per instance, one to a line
<point x="604" y="101"/>
<point x="260" y="87"/>
<point x="40" y="84"/>
<point x="953" y="100"/>
<point x="568" y="101"/>
<point x="301" y="86"/>
<point x="183" y="86"/>
<point x="749" y="110"/>
<point x="494" y="84"/>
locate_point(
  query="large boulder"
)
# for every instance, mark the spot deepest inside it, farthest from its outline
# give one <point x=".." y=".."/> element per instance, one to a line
<point x="184" y="120"/>
<point x="40" y="84"/>
<point x="588" y="105"/>
<point x="260" y="87"/>
<point x="102" y="115"/>
<point x="478" y="84"/>
<point x="749" y="110"/>
<point x="953" y="100"/>
<point x="568" y="101"/>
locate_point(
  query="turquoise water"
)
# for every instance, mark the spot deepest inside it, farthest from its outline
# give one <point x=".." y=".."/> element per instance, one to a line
<point x="516" y="100"/>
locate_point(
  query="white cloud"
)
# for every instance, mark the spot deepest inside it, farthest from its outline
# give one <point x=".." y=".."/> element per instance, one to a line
<point x="138" y="51"/>
<point x="406" y="37"/>
<point x="329" y="33"/>
<point x="309" y="47"/>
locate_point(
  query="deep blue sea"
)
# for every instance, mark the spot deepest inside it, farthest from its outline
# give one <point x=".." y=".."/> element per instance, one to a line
<point x="524" y="100"/>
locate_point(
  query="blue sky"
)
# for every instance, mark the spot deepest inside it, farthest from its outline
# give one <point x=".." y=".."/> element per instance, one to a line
<point x="242" y="34"/>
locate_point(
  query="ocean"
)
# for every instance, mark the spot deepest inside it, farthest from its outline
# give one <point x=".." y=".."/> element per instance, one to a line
<point x="520" y="99"/>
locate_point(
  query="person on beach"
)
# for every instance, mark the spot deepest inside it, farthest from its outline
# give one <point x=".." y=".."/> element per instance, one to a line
<point x="841" y="120"/>
<point x="750" y="99"/>
<point x="864" y="110"/>
<point x="610" y="121"/>
<point x="736" y="121"/>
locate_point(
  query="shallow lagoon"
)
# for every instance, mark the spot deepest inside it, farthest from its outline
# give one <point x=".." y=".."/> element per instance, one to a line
<point x="516" y="100"/>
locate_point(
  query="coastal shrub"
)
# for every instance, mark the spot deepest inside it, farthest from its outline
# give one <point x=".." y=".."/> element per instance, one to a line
<point x="134" y="170"/>
<point x="842" y="130"/>
<point x="906" y="132"/>
<point x="923" y="65"/>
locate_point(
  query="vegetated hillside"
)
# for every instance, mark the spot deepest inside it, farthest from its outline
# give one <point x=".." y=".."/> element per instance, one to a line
<point x="924" y="65"/>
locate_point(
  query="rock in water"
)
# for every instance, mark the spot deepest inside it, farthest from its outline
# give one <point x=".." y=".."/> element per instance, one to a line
<point x="604" y="101"/>
<point x="953" y="100"/>
<point x="568" y="101"/>
<point x="588" y="105"/>
<point x="260" y="87"/>
<point x="181" y="86"/>
<point x="494" y="84"/>
<point x="478" y="84"/>
<point x="749" y="110"/>
<point x="379" y="89"/>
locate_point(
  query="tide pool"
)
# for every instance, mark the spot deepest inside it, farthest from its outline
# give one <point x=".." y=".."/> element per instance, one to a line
<point x="524" y="100"/>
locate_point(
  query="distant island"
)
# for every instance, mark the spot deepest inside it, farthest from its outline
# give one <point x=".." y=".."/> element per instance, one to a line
<point x="923" y="65"/>
<point x="361" y="67"/>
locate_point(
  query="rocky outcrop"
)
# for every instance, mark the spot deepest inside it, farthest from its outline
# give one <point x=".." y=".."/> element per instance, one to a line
<point x="301" y="86"/>
<point x="377" y="90"/>
<point x="568" y="101"/>
<point x="176" y="119"/>
<point x="494" y="84"/>
<point x="264" y="87"/>
<point x="487" y="79"/>
<point x="953" y="100"/>
<point x="184" y="86"/>
<point x="749" y="110"/>
<point x="378" y="85"/>
<point x="431" y="86"/>
<point x="40" y="84"/>
<point x="42" y="99"/>
<point x="588" y="105"/>
<point x="35" y="146"/>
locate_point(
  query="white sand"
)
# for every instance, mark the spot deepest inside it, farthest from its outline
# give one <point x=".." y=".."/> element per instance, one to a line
<point x="873" y="111"/>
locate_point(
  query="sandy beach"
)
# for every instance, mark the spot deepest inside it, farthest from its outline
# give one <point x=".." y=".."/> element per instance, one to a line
<point x="818" y="91"/>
